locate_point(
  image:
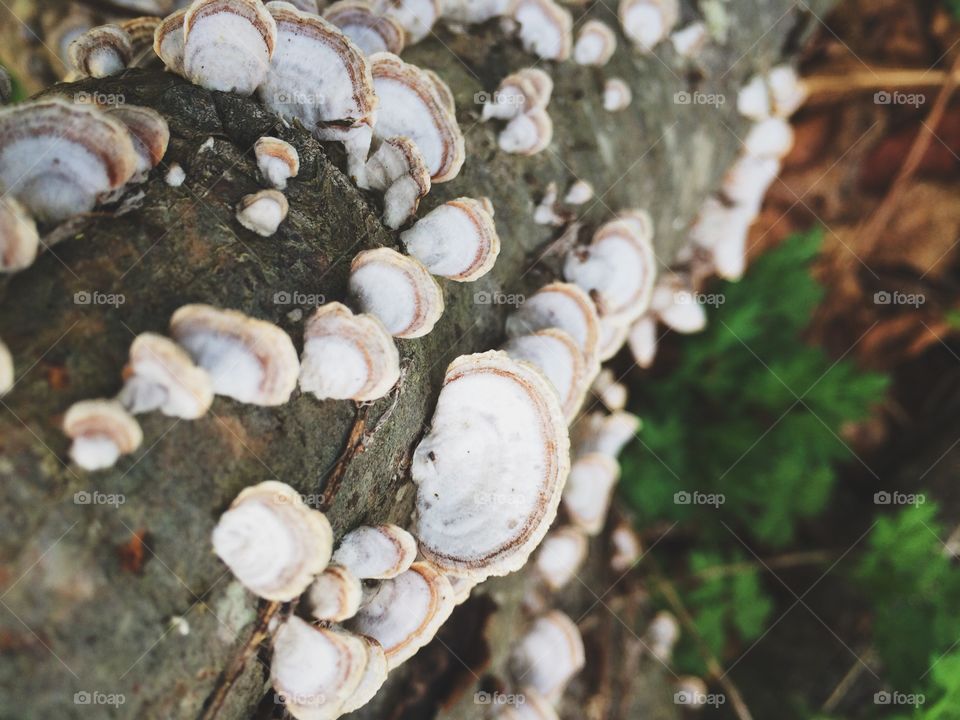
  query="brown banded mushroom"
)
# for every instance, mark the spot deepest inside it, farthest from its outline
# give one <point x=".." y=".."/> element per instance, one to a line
<point x="617" y="95"/>
<point x="604" y="434"/>
<point x="249" y="360"/>
<point x="347" y="356"/>
<point x="457" y="240"/>
<point x="589" y="490"/>
<point x="411" y="106"/>
<point x="272" y="541"/>
<point x="519" y="92"/>
<point x="404" y="613"/>
<point x="7" y="378"/>
<point x="613" y="336"/>
<point x="19" y="239"/>
<point x="161" y="376"/>
<point x="557" y="355"/>
<point x="141" y="31"/>
<point x="462" y="587"/>
<point x="371" y="31"/>
<point x="308" y="6"/>
<point x="676" y="305"/>
<point x="101" y="51"/>
<point x="647" y="22"/>
<point x="396" y="289"/>
<point x="596" y="43"/>
<point x="490" y="472"/>
<point x="627" y="549"/>
<point x="560" y="555"/>
<point x="149" y="132"/>
<point x="168" y="41"/>
<point x="316" y="670"/>
<point x="398" y="170"/>
<point x="546" y="28"/>
<point x="549" y="654"/>
<point x="472" y="12"/>
<point x="277" y="160"/>
<point x="335" y="595"/>
<point x="101" y="431"/>
<point x="228" y="44"/>
<point x="374" y="676"/>
<point x="60" y="159"/>
<point x="378" y="552"/>
<point x="611" y="393"/>
<point x="416" y="17"/>
<point x="527" y="134"/>
<point x="263" y="211"/>
<point x="640" y="220"/>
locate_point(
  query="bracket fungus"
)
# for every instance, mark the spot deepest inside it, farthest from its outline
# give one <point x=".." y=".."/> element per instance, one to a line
<point x="647" y="22"/>
<point x="101" y="51"/>
<point x="604" y="434"/>
<point x="689" y="41"/>
<point x="373" y="678"/>
<point x="627" y="550"/>
<point x="558" y="357"/>
<point x="263" y="211"/>
<point x="675" y="304"/>
<point x="579" y="193"/>
<point x="168" y="41"/>
<point x="378" y="552"/>
<point x="149" y="133"/>
<point x="519" y="92"/>
<point x="547" y="212"/>
<point x="249" y="360"/>
<point x="335" y="595"/>
<point x="662" y="634"/>
<point x="141" y="31"/>
<point x="617" y="95"/>
<point x="347" y="356"/>
<point x="779" y="93"/>
<point x="549" y="654"/>
<point x="560" y="555"/>
<point x="277" y="160"/>
<point x="589" y="490"/>
<point x="613" y="335"/>
<point x="416" y="17"/>
<point x="596" y="43"/>
<point x="611" y="393"/>
<point x="101" y="431"/>
<point x="457" y="240"/>
<point x="396" y="289"/>
<point x="527" y="134"/>
<point x="227" y="44"/>
<point x="60" y="159"/>
<point x="272" y="541"/>
<point x="772" y="137"/>
<point x="19" y="239"/>
<point x="7" y="378"/>
<point x="404" y="613"/>
<point x="398" y="170"/>
<point x="371" y="31"/>
<point x="412" y="106"/>
<point x="546" y="28"/>
<point x="160" y="375"/>
<point x="490" y="472"/>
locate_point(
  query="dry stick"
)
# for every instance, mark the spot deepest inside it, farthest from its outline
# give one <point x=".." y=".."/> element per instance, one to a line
<point x="790" y="560"/>
<point x="847" y="681"/>
<point x="878" y="79"/>
<point x="353" y="448"/>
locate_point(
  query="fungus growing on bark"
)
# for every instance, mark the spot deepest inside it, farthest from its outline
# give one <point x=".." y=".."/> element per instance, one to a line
<point x="161" y="376"/>
<point x="457" y="240"/>
<point x="249" y="360"/>
<point x="416" y="17"/>
<point x="371" y="31"/>
<point x="589" y="490"/>
<point x="149" y="133"/>
<point x="175" y="176"/>
<point x="277" y="159"/>
<point x="101" y="51"/>
<point x="613" y="335"/>
<point x="378" y="552"/>
<point x="779" y="93"/>
<point x="60" y="159"/>
<point x="546" y="28"/>
<point x="472" y="12"/>
<point x="772" y="137"/>
<point x="398" y="290"/>
<point x="640" y="221"/>
<point x="549" y="654"/>
<point x="546" y="212"/>
<point x="560" y="555"/>
<point x="676" y="305"/>
<point x="627" y="549"/>
<point x="263" y="211"/>
<point x="168" y="41"/>
<point x="580" y="192"/>
<point x="347" y="356"/>
<point x="374" y="675"/>
<point x="558" y="357"/>
<point x="272" y="541"/>
<point x="411" y="106"/>
<point x="490" y="471"/>
<point x="662" y="635"/>
<point x="648" y="22"/>
<point x="617" y="95"/>
<point x="523" y="91"/>
<point x="398" y="170"/>
<point x="604" y="434"/>
<point x="527" y="134"/>
<point x="747" y="181"/>
<point x="335" y="595"/>
<point x="690" y="40"/>
<point x="19" y="239"/>
<point x="612" y="394"/>
<point x="6" y="370"/>
<point x="141" y="31"/>
<point x="404" y="613"/>
<point x="228" y="44"/>
<point x="596" y="43"/>
<point x="462" y="587"/>
<point x="642" y="339"/>
<point x="101" y="431"/>
<point x="722" y="230"/>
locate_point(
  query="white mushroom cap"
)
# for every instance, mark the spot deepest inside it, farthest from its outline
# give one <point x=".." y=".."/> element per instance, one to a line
<point x="647" y="22"/>
<point x="753" y="100"/>
<point x="490" y="472"/>
<point x="411" y="106"/>
<point x="263" y="211"/>
<point x="249" y="360"/>
<point x="161" y="376"/>
<point x="272" y="541"/>
<point x="554" y="353"/>
<point x="404" y="613"/>
<point x="662" y="634"/>
<point x="772" y="137"/>
<point x="168" y="41"/>
<point x="519" y="92"/>
<point x="60" y="159"/>
<point x="723" y="230"/>
<point x="642" y="340"/>
<point x="398" y="290"/>
<point x="371" y="31"/>
<point x="277" y="159"/>
<point x="101" y="431"/>
<point x="141" y="31"/>
<point x="596" y="43"/>
<point x="675" y="304"/>
<point x="149" y="132"/>
<point x="472" y="12"/>
<point x="747" y="181"/>
<point x="457" y="240"/>
<point x="374" y="676"/>
<point x="335" y="595"/>
<point x="779" y="93"/>
<point x="618" y="269"/>
<point x="19" y="239"/>
<point x="627" y="549"/>
<point x="613" y="336"/>
<point x="7" y="378"/>
<point x="546" y="212"/>
<point x="378" y="552"/>
<point x="101" y="51"/>
<point x="612" y="394"/>
<point x="604" y="434"/>
<point x="589" y="490"/>
<point x="347" y="356"/>
<point x="176" y="175"/>
<point x="316" y="670"/>
<point x="690" y="40"/>
<point x="579" y="193"/>
<point x="398" y="169"/>
<point x="228" y="44"/>
<point x="462" y="587"/>
<point x="640" y="220"/>
<point x="617" y="95"/>
<point x="416" y="17"/>
<point x="317" y="75"/>
<point x="546" y="28"/>
<point x="560" y="555"/>
<point x="549" y="654"/>
<point x="527" y="134"/>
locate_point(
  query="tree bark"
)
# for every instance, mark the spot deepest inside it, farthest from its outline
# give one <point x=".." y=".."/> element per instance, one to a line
<point x="128" y="598"/>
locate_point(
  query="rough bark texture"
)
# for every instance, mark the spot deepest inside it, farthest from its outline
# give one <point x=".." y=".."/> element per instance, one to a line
<point x="91" y="592"/>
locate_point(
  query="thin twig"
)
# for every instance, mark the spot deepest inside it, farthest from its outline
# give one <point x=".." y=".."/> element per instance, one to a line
<point x="878" y="79"/>
<point x="353" y="448"/>
<point x="847" y="681"/>
<point x="790" y="560"/>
